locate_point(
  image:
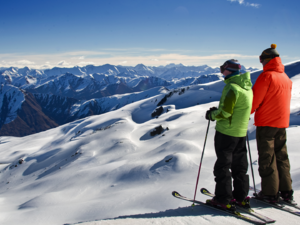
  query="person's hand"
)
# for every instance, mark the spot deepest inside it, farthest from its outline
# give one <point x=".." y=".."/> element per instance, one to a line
<point x="208" y="113"/>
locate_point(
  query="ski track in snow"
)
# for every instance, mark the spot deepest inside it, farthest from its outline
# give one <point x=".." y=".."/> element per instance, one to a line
<point x="108" y="169"/>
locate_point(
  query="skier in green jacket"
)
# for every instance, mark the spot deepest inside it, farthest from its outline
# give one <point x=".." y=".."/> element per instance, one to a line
<point x="232" y="118"/>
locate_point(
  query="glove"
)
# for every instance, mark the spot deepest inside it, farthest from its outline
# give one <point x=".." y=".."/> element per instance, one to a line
<point x="208" y="113"/>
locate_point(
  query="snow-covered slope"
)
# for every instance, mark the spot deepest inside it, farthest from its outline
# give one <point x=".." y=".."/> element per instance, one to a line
<point x="195" y="80"/>
<point x="81" y="109"/>
<point x="110" y="167"/>
<point x="11" y="99"/>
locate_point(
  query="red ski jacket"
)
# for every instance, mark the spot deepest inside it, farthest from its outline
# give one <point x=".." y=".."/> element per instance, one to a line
<point x="272" y="96"/>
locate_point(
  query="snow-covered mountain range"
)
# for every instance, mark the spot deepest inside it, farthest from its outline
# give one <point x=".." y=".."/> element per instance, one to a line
<point x="61" y="95"/>
<point x="112" y="168"/>
<point x="32" y="77"/>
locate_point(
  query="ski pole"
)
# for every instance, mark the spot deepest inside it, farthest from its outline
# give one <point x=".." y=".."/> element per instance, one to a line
<point x="251" y="164"/>
<point x="201" y="163"/>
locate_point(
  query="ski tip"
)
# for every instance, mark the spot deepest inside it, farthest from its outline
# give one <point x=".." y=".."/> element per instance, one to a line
<point x="175" y="194"/>
<point x="204" y="190"/>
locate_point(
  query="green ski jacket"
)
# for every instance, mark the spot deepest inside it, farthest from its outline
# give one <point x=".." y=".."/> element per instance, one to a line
<point x="235" y="106"/>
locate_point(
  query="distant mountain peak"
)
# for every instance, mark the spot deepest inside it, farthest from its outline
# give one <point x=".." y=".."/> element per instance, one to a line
<point x="171" y="65"/>
<point x="140" y="66"/>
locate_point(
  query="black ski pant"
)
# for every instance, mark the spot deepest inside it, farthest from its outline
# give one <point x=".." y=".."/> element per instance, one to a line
<point x="231" y="162"/>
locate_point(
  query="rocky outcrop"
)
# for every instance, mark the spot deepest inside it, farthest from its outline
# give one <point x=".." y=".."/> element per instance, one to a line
<point x="157" y="130"/>
<point x="157" y="112"/>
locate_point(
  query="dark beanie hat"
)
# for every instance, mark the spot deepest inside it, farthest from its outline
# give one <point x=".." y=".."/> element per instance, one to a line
<point x="232" y="65"/>
<point x="269" y="53"/>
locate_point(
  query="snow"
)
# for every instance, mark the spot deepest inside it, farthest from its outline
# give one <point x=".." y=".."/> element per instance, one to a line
<point x="27" y="78"/>
<point x="107" y="169"/>
<point x="114" y="102"/>
<point x="15" y="97"/>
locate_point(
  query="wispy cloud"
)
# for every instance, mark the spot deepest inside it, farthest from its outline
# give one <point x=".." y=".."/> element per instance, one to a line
<point x="242" y="2"/>
<point x="83" y="63"/>
<point x="26" y="62"/>
<point x="22" y="62"/>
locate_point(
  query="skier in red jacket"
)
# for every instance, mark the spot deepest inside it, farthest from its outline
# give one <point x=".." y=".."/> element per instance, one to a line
<point x="271" y="104"/>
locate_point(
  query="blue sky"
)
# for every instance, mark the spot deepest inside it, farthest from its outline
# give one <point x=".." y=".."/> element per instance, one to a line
<point x="43" y="34"/>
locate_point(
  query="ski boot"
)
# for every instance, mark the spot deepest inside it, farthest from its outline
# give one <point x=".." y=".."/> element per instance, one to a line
<point x="230" y="206"/>
<point x="288" y="197"/>
<point x="245" y="203"/>
<point x="267" y="198"/>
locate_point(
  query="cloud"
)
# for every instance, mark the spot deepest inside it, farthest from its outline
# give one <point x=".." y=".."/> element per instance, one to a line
<point x="124" y="62"/>
<point x="242" y="2"/>
<point x="16" y="63"/>
<point x="25" y="62"/>
<point x="253" y="5"/>
<point x="86" y="63"/>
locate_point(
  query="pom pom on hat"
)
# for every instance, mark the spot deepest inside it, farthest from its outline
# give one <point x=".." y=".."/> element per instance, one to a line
<point x="273" y="46"/>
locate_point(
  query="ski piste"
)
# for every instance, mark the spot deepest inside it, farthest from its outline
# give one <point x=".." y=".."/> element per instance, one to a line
<point x="280" y="200"/>
<point x="248" y="210"/>
<point x="236" y="214"/>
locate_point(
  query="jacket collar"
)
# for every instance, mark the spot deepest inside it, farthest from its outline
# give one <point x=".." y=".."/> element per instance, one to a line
<point x="274" y="65"/>
<point x="233" y="74"/>
<point x="243" y="80"/>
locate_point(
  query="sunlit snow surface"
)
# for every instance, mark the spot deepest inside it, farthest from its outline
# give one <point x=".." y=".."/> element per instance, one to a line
<point x="108" y="169"/>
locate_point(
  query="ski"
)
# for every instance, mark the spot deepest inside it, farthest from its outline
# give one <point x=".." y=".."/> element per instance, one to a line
<point x="248" y="210"/>
<point x="280" y="200"/>
<point x="278" y="206"/>
<point x="233" y="213"/>
<point x="288" y="203"/>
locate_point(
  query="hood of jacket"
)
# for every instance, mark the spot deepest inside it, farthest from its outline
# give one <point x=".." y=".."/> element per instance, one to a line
<point x="274" y="65"/>
<point x="243" y="80"/>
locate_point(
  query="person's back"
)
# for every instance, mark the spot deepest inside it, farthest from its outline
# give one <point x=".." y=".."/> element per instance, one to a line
<point x="272" y="92"/>
<point x="238" y="104"/>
